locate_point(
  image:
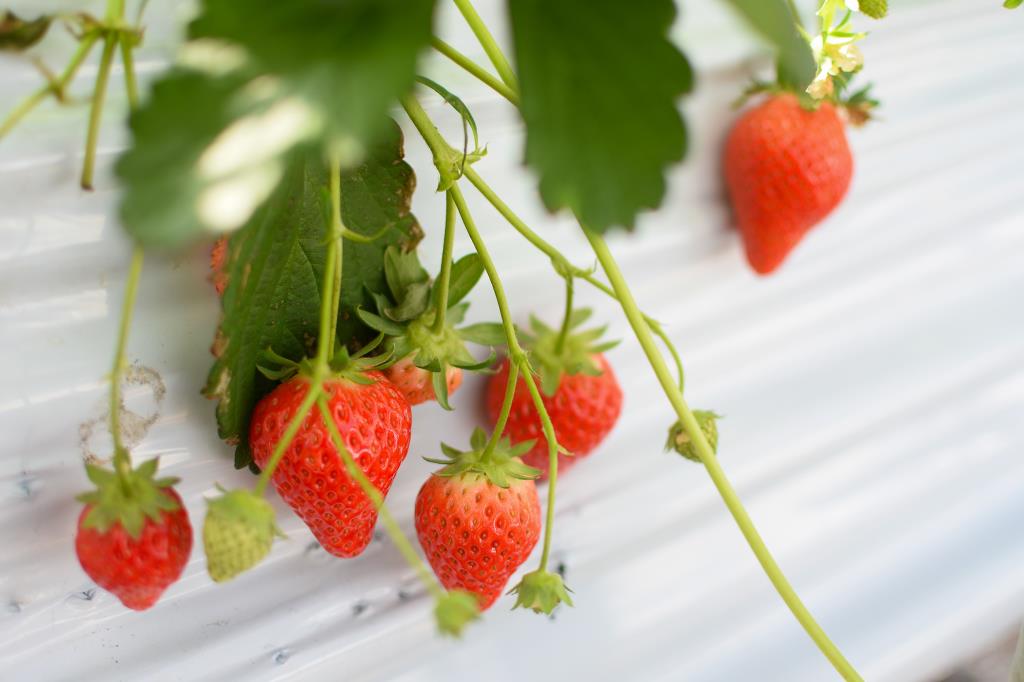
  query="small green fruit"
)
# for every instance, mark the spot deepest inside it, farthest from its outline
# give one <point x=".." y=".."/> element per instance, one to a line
<point x="680" y="441"/>
<point x="237" y="534"/>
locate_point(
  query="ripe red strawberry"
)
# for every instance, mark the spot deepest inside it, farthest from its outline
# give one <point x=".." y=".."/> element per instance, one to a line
<point x="786" y="168"/>
<point x="416" y="384"/>
<point x="478" y="519"/>
<point x="133" y="539"/>
<point x="579" y="391"/>
<point x="375" y="422"/>
<point x="219" y="265"/>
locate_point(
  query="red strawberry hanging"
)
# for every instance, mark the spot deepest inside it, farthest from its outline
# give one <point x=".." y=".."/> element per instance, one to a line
<point x="478" y="518"/>
<point x="134" y="536"/>
<point x="578" y="388"/>
<point x="375" y="422"/>
<point x="786" y="168"/>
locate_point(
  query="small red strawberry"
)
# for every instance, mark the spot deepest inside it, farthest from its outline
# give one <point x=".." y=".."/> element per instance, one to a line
<point x="219" y="265"/>
<point x="578" y="389"/>
<point x="416" y="384"/>
<point x="786" y="168"/>
<point x="478" y="518"/>
<point x="134" y="536"/>
<point x="375" y="422"/>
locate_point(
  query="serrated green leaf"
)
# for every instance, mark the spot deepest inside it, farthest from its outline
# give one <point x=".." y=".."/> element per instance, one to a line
<point x="349" y="60"/>
<point x="484" y="333"/>
<point x="600" y="83"/>
<point x="774" y="20"/>
<point x="276" y="267"/>
<point x="17" y="34"/>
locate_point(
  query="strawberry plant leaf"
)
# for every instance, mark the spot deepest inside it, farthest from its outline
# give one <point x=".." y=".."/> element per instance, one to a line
<point x="774" y="20"/>
<point x="275" y="266"/>
<point x="274" y="79"/>
<point x="600" y="145"/>
<point x="348" y="60"/>
<point x="1013" y="4"/>
<point x="18" y="34"/>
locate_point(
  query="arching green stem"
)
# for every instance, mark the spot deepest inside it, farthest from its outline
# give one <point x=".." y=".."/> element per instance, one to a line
<point x="390" y="525"/>
<point x="506" y="407"/>
<point x="518" y="357"/>
<point x="99" y="95"/>
<point x="475" y="70"/>
<point x="336" y="231"/>
<point x="490" y="45"/>
<point x="710" y="461"/>
<point x="122" y="462"/>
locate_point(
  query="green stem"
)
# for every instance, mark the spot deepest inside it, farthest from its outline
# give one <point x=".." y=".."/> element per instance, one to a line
<point x="567" y="318"/>
<point x="57" y="87"/>
<point x="122" y="462"/>
<point x="707" y="456"/>
<point x="289" y="433"/>
<point x="426" y="128"/>
<point x="131" y="85"/>
<point x="795" y="12"/>
<point x="555" y="255"/>
<point x="444" y="278"/>
<point x="336" y="231"/>
<point x="490" y="45"/>
<point x="549" y="433"/>
<point x="370" y="490"/>
<point x="506" y="408"/>
<point x="517" y="357"/>
<point x="475" y="70"/>
<point x="96" y="111"/>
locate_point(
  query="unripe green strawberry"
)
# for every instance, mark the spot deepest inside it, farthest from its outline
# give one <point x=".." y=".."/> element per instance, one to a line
<point x="680" y="441"/>
<point x="876" y="9"/>
<point x="237" y="534"/>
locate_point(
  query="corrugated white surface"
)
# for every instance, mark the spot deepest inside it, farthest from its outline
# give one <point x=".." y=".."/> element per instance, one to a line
<point x="873" y="390"/>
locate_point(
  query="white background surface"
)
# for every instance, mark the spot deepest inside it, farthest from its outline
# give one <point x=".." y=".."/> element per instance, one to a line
<point x="873" y="392"/>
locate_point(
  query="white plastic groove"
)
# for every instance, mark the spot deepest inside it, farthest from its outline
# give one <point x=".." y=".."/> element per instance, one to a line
<point x="873" y="392"/>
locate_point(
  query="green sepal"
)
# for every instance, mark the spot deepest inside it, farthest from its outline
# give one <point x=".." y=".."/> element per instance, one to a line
<point x="468" y="122"/>
<point x="480" y="366"/>
<point x="127" y="502"/>
<point x="380" y="324"/>
<point x="501" y="466"/>
<point x="454" y="611"/>
<point x="238" y="533"/>
<point x="541" y="591"/>
<point x="439" y="379"/>
<point x="679" y="439"/>
<point x="466" y="272"/>
<point x="17" y="34"/>
<point x="483" y="333"/>
<point x="401" y="270"/>
<point x="577" y="355"/>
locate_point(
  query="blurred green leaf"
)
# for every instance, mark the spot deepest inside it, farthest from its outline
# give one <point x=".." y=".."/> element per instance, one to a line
<point x="775" y="21"/>
<point x="600" y="83"/>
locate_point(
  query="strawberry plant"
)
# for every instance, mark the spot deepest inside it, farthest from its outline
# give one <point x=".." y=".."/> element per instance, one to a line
<point x="272" y="134"/>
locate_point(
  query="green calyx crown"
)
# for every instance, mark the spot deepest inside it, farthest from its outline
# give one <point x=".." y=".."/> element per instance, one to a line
<point x="407" y="318"/>
<point x="501" y="465"/>
<point x="237" y="533"/>
<point x="541" y="591"/>
<point x="574" y="355"/>
<point x="128" y="502"/>
<point x="680" y="441"/>
<point x="343" y="364"/>
<point x="454" y="611"/>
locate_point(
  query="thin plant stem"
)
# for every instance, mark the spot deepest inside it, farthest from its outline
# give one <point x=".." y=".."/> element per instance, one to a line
<point x="336" y="230"/>
<point x="370" y="490"/>
<point x="549" y="433"/>
<point x="566" y="318"/>
<point x="475" y="70"/>
<point x="506" y="408"/>
<point x="289" y="434"/>
<point x="445" y="276"/>
<point x="490" y="45"/>
<point x="710" y="461"/>
<point x="122" y="461"/>
<point x="96" y="111"/>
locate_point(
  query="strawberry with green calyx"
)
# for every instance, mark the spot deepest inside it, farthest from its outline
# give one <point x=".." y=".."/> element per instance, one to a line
<point x="134" y="536"/>
<point x="238" y="533"/>
<point x="375" y="422"/>
<point x="579" y="391"/>
<point x="478" y="518"/>
<point x="455" y="610"/>
<point x="680" y="441"/>
<point x="429" y="351"/>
